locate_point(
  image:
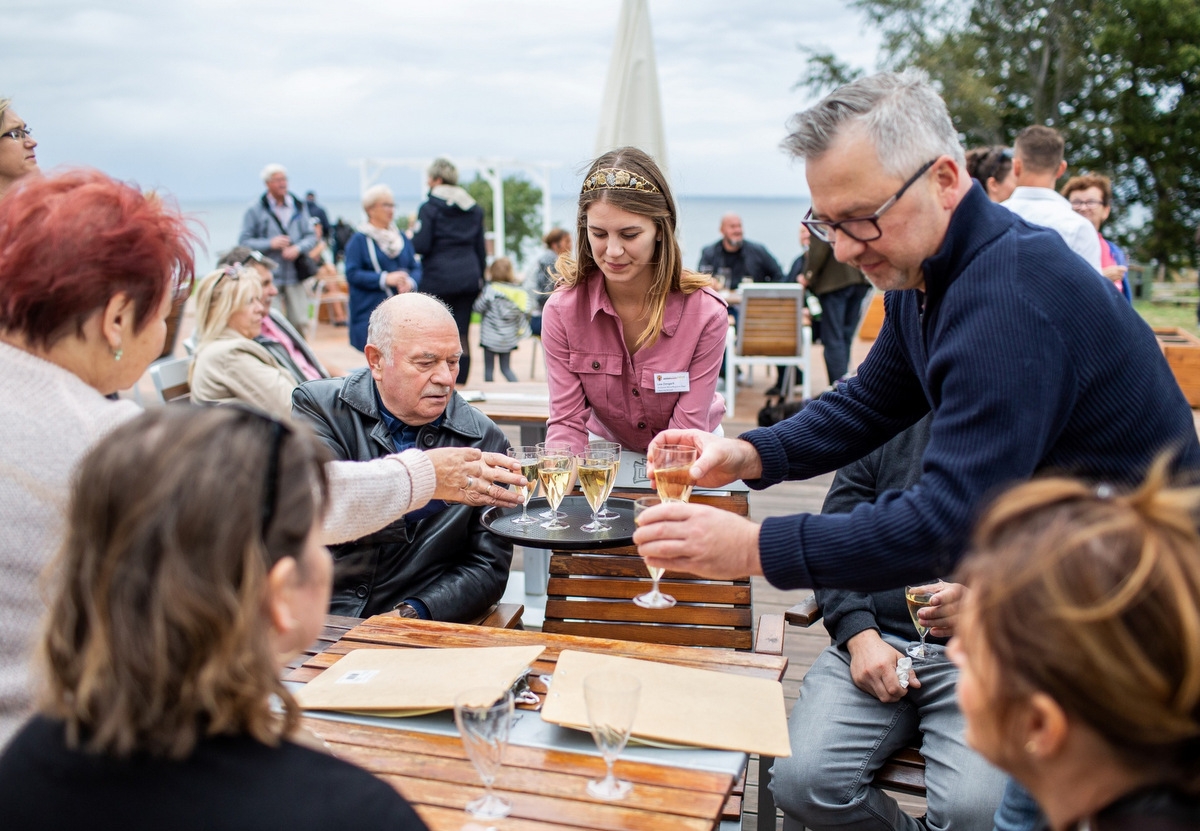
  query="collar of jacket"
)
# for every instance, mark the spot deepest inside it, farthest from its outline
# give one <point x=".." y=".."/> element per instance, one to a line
<point x="975" y="223"/>
<point x="358" y="393"/>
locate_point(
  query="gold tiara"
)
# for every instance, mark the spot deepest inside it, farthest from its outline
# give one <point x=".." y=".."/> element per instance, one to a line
<point x="616" y="179"/>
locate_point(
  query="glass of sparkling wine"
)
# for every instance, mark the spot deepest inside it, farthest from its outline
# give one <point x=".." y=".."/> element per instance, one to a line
<point x="484" y="720"/>
<point x="612" y="701"/>
<point x="554" y="472"/>
<point x="653" y="599"/>
<point x="526" y="454"/>
<point x="673" y="471"/>
<point x="560" y="448"/>
<point x="596" y="470"/>
<point x="605" y="513"/>
<point x="917" y="598"/>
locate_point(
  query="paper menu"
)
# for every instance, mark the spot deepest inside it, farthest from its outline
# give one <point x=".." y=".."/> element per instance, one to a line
<point x="398" y="682"/>
<point x="680" y="705"/>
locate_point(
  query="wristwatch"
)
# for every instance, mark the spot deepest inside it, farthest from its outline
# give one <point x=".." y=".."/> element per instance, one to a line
<point x="407" y="610"/>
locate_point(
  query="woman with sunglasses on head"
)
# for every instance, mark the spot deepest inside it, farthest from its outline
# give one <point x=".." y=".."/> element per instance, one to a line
<point x="633" y="342"/>
<point x="193" y="571"/>
<point x="991" y="166"/>
<point x="17" y="158"/>
<point x="89" y="268"/>
<point x="1079" y="651"/>
<point x="229" y="365"/>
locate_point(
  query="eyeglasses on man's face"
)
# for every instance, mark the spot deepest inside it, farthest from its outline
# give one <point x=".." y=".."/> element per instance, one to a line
<point x="19" y="134"/>
<point x="1086" y="203"/>
<point x="860" y="228"/>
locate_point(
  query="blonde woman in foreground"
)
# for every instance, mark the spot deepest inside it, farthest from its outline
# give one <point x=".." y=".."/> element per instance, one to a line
<point x="1080" y="651"/>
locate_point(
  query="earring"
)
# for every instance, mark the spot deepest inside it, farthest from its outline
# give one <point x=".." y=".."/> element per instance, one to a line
<point x="1031" y="747"/>
<point x="118" y="353"/>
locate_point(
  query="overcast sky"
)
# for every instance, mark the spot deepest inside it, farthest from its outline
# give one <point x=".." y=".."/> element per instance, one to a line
<point x="194" y="96"/>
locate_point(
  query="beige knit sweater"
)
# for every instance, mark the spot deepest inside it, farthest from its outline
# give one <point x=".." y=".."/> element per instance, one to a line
<point x="49" y="419"/>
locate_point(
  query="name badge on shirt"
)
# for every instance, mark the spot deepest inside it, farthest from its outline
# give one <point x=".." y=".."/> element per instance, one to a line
<point x="671" y="382"/>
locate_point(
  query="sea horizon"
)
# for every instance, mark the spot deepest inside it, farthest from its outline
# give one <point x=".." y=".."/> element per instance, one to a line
<point x="772" y="221"/>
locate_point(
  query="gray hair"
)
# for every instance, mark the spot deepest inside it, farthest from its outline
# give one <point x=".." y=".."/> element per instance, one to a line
<point x="5" y="103"/>
<point x="902" y="115"/>
<point x="444" y="169"/>
<point x="271" y="169"/>
<point x="392" y="315"/>
<point x="375" y="193"/>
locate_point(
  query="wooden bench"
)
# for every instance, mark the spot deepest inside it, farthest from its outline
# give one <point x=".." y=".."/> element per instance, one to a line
<point x="1182" y="350"/>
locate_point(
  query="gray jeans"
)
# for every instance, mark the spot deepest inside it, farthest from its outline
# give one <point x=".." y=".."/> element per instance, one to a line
<point x="293" y="301"/>
<point x="841" y="735"/>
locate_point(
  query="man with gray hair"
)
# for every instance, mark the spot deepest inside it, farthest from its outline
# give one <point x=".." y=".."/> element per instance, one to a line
<point x="278" y="226"/>
<point x="437" y="562"/>
<point x="993" y="324"/>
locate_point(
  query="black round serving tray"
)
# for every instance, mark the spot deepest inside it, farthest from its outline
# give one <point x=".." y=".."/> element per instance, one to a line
<point x="500" y="522"/>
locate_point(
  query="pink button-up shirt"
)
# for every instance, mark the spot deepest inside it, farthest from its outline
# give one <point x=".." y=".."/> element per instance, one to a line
<point x="596" y="385"/>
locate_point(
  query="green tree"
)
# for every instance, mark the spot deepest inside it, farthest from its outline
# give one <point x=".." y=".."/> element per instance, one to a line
<point x="1117" y="77"/>
<point x="522" y="210"/>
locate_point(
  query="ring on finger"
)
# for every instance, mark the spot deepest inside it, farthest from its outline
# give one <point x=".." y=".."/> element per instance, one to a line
<point x="470" y="483"/>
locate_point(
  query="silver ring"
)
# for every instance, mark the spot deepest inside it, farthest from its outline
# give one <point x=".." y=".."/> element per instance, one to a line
<point x="470" y="482"/>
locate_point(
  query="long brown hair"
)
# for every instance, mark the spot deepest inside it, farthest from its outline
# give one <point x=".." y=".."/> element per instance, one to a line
<point x="157" y="634"/>
<point x="1093" y="598"/>
<point x="669" y="274"/>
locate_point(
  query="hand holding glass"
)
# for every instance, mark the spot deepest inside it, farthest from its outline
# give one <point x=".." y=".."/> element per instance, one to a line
<point x="612" y="701"/>
<point x="653" y="599"/>
<point x="673" y="471"/>
<point x="526" y="454"/>
<point x="484" y="721"/>
<point x="918" y="597"/>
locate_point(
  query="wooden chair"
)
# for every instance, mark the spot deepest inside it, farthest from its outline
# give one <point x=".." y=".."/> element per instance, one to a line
<point x="170" y="377"/>
<point x="771" y="332"/>
<point x="904" y="770"/>
<point x="589" y="594"/>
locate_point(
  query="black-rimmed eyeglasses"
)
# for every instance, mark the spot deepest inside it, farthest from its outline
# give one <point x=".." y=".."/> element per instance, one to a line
<point x="860" y="228"/>
<point x="19" y="134"/>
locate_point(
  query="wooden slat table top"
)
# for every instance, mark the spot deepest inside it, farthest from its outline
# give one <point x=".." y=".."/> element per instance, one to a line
<point x="393" y="631"/>
<point x="547" y="788"/>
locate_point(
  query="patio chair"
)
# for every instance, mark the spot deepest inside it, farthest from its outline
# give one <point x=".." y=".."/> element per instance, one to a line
<point x="170" y="377"/>
<point x="771" y="331"/>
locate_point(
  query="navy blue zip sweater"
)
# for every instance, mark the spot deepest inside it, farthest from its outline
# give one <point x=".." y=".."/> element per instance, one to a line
<point x="1030" y="365"/>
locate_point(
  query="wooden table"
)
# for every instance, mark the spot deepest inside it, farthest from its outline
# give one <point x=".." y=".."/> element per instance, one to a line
<point x="526" y="405"/>
<point x="544" y="779"/>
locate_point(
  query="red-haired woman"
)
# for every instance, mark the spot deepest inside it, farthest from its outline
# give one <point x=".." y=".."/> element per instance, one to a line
<point x="89" y="268"/>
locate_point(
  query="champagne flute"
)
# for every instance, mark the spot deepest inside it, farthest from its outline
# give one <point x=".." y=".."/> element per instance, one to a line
<point x="484" y="720"/>
<point x="560" y="448"/>
<point x="596" y="471"/>
<point x="918" y="597"/>
<point x="526" y="454"/>
<point x="612" y="701"/>
<point x="653" y="599"/>
<point x="605" y="513"/>
<point x="554" y="471"/>
<point x="673" y="471"/>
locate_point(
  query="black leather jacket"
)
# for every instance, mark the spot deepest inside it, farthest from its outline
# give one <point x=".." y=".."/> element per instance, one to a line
<point x="447" y="561"/>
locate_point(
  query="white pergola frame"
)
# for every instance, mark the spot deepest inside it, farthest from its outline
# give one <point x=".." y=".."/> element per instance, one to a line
<point x="371" y="170"/>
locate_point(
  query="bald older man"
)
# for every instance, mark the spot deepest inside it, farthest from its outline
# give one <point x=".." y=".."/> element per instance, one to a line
<point x="437" y="563"/>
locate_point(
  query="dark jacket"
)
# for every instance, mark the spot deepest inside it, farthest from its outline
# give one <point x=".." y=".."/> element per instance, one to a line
<point x="447" y="560"/>
<point x="1012" y="347"/>
<point x="894" y="467"/>
<point x="825" y="274"/>
<point x="751" y="260"/>
<point x="449" y="239"/>
<point x="366" y="288"/>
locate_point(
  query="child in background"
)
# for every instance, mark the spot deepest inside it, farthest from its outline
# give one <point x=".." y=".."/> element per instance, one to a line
<point x="504" y="317"/>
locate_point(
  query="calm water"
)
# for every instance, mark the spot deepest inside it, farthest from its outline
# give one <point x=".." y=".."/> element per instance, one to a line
<point x="773" y="222"/>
